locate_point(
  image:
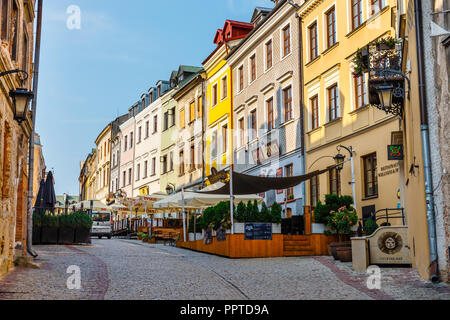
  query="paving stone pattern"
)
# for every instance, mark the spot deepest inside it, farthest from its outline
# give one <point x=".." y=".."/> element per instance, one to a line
<point x="132" y="270"/>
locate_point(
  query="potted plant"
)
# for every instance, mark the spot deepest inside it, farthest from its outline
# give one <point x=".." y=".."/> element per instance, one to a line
<point x="140" y="235"/>
<point x="66" y="229"/>
<point x="83" y="225"/>
<point x="151" y="238"/>
<point x="37" y="228"/>
<point x="323" y="211"/>
<point x="342" y="221"/>
<point x="50" y="226"/>
<point x="370" y="226"/>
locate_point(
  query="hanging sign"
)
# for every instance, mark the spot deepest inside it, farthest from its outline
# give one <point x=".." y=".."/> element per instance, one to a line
<point x="395" y="152"/>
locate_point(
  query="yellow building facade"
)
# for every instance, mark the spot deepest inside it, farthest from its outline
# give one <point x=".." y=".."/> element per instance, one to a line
<point x="219" y="97"/>
<point x="336" y="104"/>
<point x="103" y="143"/>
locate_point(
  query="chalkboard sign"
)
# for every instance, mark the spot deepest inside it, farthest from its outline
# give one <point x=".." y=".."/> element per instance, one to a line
<point x="258" y="231"/>
<point x="221" y="235"/>
<point x="208" y="237"/>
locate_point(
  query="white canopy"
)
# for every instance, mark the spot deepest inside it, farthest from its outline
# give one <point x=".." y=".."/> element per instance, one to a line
<point x="199" y="200"/>
<point x="96" y="205"/>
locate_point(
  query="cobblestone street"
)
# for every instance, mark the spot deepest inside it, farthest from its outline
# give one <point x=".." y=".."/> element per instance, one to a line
<point x="132" y="270"/>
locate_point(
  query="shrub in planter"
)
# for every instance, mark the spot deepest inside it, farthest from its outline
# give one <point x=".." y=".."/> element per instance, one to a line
<point x="342" y="221"/>
<point x="275" y="213"/>
<point x="332" y="204"/>
<point x="66" y="229"/>
<point x="370" y="226"/>
<point x="83" y="224"/>
<point x="49" y="234"/>
<point x="140" y="235"/>
<point x="37" y="228"/>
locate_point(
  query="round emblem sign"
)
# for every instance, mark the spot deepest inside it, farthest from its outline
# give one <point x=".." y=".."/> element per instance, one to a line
<point x="390" y="243"/>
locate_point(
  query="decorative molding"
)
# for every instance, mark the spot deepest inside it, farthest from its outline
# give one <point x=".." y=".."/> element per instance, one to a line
<point x="252" y="99"/>
<point x="267" y="88"/>
<point x="285" y="76"/>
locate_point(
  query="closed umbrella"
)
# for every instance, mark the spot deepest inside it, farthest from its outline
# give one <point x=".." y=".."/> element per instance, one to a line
<point x="49" y="195"/>
<point x="40" y="198"/>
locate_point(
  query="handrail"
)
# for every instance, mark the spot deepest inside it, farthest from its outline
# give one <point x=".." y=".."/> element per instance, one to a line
<point x="387" y="216"/>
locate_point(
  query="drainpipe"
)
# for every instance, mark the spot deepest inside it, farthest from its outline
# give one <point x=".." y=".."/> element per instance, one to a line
<point x="302" y="95"/>
<point x="434" y="277"/>
<point x="37" y="55"/>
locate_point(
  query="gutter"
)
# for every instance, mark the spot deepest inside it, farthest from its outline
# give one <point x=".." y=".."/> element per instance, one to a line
<point x="431" y="219"/>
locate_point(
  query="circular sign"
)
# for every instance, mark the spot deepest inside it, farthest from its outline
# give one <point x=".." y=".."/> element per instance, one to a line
<point x="390" y="243"/>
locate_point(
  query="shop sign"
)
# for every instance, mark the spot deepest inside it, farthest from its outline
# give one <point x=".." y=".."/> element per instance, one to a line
<point x="395" y="152"/>
<point x="217" y="176"/>
<point x="208" y="236"/>
<point x="143" y="191"/>
<point x="390" y="245"/>
<point x="221" y="235"/>
<point x="389" y="170"/>
<point x="258" y="231"/>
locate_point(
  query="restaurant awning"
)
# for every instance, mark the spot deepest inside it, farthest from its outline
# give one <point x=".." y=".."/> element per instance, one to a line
<point x="245" y="184"/>
<point x="199" y="200"/>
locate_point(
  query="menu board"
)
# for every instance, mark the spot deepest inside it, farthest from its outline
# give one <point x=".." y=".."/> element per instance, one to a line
<point x="258" y="231"/>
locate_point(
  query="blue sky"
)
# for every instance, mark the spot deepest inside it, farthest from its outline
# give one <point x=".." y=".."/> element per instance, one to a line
<point x="91" y="75"/>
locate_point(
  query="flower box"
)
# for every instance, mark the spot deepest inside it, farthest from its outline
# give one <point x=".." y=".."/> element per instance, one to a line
<point x="66" y="235"/>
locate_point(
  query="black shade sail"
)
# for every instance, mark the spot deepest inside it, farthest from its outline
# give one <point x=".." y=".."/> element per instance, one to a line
<point x="244" y="184"/>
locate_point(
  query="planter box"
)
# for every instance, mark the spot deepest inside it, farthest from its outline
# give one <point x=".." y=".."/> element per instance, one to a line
<point x="82" y="235"/>
<point x="49" y="235"/>
<point x="37" y="235"/>
<point x="66" y="235"/>
<point x="199" y="236"/>
<point x="319" y="228"/>
<point x="239" y="228"/>
<point x="152" y="240"/>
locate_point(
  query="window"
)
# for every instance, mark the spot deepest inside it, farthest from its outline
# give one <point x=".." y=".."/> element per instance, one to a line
<point x="287" y="95"/>
<point x="166" y="121"/>
<point x="289" y="169"/>
<point x="147" y="129"/>
<point x="370" y="175"/>
<point x="139" y="134"/>
<point x="153" y="166"/>
<point x="313" y="49"/>
<point x="114" y="160"/>
<point x="286" y="41"/>
<point x="15" y="31"/>
<point x="333" y="103"/>
<point x="253" y="125"/>
<point x="164" y="164"/>
<point x="241" y="132"/>
<point x="331" y="27"/>
<point x="224" y="138"/>
<point x="335" y="182"/>
<point x="360" y="91"/>
<point x="269" y="54"/>
<point x="124" y="176"/>
<point x="192" y="164"/>
<point x="241" y="78"/>
<point x="314" y="190"/>
<point x="182" y="120"/>
<point x="214" y="145"/>
<point x="214" y="95"/>
<point x="173" y="114"/>
<point x="270" y="124"/>
<point x="356" y="13"/>
<point x="131" y="140"/>
<point x="192" y="111"/>
<point x="155" y="124"/>
<point x="129" y="176"/>
<point x="200" y="107"/>
<point x="314" y="112"/>
<point x="5" y="19"/>
<point x="181" y="162"/>
<point x="138" y="172"/>
<point x="376" y="6"/>
<point x="145" y="169"/>
<point x="288" y="213"/>
<point x="25" y="49"/>
<point x="224" y="88"/>
<point x="125" y="142"/>
<point x="252" y="68"/>
<point x="171" y="161"/>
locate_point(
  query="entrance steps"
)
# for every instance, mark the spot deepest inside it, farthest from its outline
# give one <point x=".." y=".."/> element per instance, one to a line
<point x="296" y="246"/>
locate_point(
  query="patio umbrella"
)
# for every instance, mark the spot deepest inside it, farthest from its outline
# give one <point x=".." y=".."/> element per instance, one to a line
<point x="39" y="198"/>
<point x="49" y="195"/>
<point x="199" y="200"/>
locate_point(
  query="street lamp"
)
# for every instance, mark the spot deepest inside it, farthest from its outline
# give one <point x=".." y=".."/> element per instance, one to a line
<point x="170" y="189"/>
<point x="340" y="161"/>
<point x="385" y="93"/>
<point x="21" y="97"/>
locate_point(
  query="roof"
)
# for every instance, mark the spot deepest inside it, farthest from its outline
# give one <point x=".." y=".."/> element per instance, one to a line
<point x="258" y="11"/>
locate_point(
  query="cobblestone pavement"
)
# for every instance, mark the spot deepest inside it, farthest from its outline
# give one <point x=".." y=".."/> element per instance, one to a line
<point x="132" y="270"/>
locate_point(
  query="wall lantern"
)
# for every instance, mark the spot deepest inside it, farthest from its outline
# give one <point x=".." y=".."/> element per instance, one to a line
<point x="21" y="100"/>
<point x="339" y="159"/>
<point x="170" y="189"/>
<point x="385" y="92"/>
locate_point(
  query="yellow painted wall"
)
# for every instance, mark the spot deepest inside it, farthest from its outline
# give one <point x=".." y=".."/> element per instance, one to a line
<point x="367" y="129"/>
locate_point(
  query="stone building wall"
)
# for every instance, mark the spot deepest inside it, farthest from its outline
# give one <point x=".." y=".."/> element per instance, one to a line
<point x="16" y="52"/>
